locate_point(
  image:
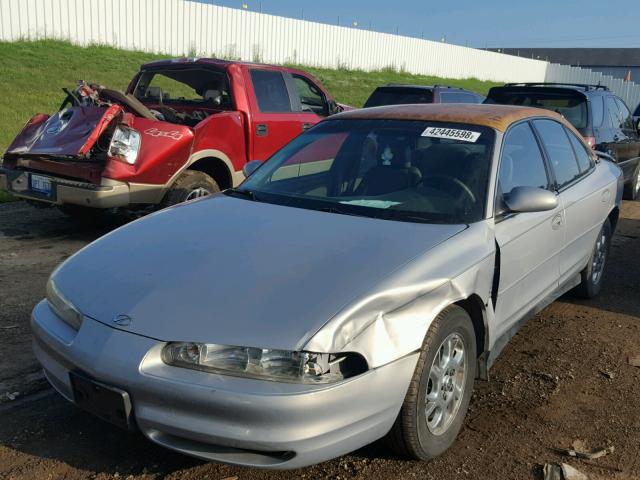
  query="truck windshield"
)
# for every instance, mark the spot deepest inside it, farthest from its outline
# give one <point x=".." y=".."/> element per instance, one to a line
<point x="204" y="87"/>
<point x="398" y="96"/>
<point x="401" y="170"/>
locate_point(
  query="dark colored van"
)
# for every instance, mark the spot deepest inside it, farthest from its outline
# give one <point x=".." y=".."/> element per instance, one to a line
<point x="400" y="94"/>
<point x="598" y="114"/>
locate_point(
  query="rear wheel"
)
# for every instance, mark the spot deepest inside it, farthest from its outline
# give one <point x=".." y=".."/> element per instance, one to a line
<point x="632" y="189"/>
<point x="591" y="283"/>
<point x="190" y="185"/>
<point x="440" y="390"/>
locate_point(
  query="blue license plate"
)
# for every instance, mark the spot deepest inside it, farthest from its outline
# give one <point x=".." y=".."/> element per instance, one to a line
<point x="41" y="184"/>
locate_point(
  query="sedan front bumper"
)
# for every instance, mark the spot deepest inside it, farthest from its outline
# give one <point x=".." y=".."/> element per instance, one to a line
<point x="216" y="417"/>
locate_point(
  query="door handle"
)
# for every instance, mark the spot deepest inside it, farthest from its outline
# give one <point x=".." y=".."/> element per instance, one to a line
<point x="306" y="126"/>
<point x="556" y="221"/>
<point x="262" y="130"/>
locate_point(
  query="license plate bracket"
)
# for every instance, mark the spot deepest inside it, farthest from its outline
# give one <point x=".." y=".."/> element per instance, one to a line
<point x="104" y="401"/>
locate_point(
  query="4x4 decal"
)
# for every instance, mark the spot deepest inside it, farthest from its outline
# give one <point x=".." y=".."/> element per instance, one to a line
<point x="173" y="134"/>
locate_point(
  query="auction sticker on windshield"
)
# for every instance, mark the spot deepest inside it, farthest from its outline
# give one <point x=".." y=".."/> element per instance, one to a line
<point x="451" y="133"/>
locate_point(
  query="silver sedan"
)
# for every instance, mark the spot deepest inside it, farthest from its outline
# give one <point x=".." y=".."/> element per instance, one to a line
<point x="352" y="288"/>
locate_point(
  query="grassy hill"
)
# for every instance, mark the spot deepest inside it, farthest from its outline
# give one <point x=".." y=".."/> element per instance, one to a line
<point x="32" y="75"/>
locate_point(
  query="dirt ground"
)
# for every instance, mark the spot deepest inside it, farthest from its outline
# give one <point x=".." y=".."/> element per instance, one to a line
<point x="564" y="377"/>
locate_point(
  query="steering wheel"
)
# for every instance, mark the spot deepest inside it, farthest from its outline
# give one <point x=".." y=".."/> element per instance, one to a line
<point x="456" y="183"/>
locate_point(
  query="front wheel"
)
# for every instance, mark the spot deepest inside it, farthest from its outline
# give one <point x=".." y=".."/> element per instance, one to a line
<point x="440" y="390"/>
<point x="592" y="274"/>
<point x="190" y="185"/>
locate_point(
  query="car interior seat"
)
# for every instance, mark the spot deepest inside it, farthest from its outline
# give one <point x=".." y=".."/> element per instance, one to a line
<point x="213" y="96"/>
<point x="394" y="170"/>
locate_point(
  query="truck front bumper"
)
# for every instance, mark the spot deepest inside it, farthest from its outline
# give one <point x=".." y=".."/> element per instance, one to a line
<point x="61" y="191"/>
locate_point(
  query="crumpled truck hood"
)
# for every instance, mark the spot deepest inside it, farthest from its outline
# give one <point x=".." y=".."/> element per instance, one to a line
<point x="232" y="271"/>
<point x="68" y="133"/>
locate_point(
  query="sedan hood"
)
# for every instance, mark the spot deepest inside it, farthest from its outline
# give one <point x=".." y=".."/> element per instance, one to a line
<point x="236" y="272"/>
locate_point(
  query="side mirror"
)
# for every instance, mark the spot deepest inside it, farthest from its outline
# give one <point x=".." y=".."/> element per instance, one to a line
<point x="334" y="107"/>
<point x="530" y="199"/>
<point x="251" y="167"/>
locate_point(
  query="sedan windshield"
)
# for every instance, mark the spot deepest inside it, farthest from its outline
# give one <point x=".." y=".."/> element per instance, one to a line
<point x="402" y="170"/>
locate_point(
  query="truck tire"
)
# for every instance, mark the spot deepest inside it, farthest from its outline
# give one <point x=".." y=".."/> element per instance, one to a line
<point x="438" y="397"/>
<point x="632" y="189"/>
<point x="190" y="185"/>
<point x="592" y="274"/>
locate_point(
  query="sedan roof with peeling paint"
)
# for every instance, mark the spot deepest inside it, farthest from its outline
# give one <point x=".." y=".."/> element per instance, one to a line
<point x="494" y="116"/>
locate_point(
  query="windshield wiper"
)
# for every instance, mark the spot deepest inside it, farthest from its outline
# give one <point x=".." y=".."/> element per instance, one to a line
<point x="248" y="194"/>
<point x="339" y="211"/>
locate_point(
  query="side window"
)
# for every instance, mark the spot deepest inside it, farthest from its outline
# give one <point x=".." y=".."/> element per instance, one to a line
<point x="271" y="91"/>
<point x="597" y="110"/>
<point x="582" y="154"/>
<point x="556" y="142"/>
<point x="614" y="118"/>
<point x="625" y="115"/>
<point x="311" y="97"/>
<point x="522" y="164"/>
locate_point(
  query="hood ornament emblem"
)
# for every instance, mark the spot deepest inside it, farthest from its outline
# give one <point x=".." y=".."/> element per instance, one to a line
<point x="122" y="320"/>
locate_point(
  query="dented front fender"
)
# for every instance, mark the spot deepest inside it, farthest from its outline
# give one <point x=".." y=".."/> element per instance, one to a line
<point x="392" y="320"/>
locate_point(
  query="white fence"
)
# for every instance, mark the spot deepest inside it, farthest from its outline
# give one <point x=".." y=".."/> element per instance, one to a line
<point x="184" y="27"/>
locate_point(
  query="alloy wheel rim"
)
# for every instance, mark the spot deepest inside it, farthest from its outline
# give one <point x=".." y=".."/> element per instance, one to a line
<point x="599" y="258"/>
<point x="197" y="193"/>
<point x="638" y="181"/>
<point x="446" y="383"/>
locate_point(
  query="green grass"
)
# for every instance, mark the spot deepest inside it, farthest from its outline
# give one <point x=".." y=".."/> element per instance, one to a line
<point x="6" y="197"/>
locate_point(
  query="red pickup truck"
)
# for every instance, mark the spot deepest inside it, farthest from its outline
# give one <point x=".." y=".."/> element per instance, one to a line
<point x="184" y="128"/>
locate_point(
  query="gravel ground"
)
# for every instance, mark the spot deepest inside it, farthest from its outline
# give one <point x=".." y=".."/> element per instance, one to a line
<point x="564" y="377"/>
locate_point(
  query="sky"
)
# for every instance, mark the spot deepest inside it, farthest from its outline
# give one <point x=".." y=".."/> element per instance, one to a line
<point x="476" y="23"/>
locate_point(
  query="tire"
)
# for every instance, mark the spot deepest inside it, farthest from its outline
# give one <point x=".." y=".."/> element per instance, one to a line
<point x="632" y="189"/>
<point x="410" y="435"/>
<point x="593" y="273"/>
<point x="190" y="185"/>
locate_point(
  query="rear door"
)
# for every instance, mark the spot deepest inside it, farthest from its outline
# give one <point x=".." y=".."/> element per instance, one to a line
<point x="274" y="116"/>
<point x="586" y="199"/>
<point x="529" y="243"/>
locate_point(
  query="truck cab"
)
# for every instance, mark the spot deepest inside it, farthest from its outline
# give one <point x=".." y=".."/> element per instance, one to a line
<point x="183" y="129"/>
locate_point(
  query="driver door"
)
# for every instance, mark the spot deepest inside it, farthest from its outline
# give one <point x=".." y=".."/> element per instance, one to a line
<point x="309" y="100"/>
<point x="530" y="243"/>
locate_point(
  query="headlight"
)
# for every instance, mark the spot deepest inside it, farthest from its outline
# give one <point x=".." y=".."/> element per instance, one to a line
<point x="265" y="364"/>
<point x="125" y="144"/>
<point x="63" y="307"/>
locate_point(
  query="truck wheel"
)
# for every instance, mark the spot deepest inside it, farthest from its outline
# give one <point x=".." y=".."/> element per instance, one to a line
<point x="632" y="189"/>
<point x="440" y="390"/>
<point x="190" y="185"/>
<point x="594" y="271"/>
